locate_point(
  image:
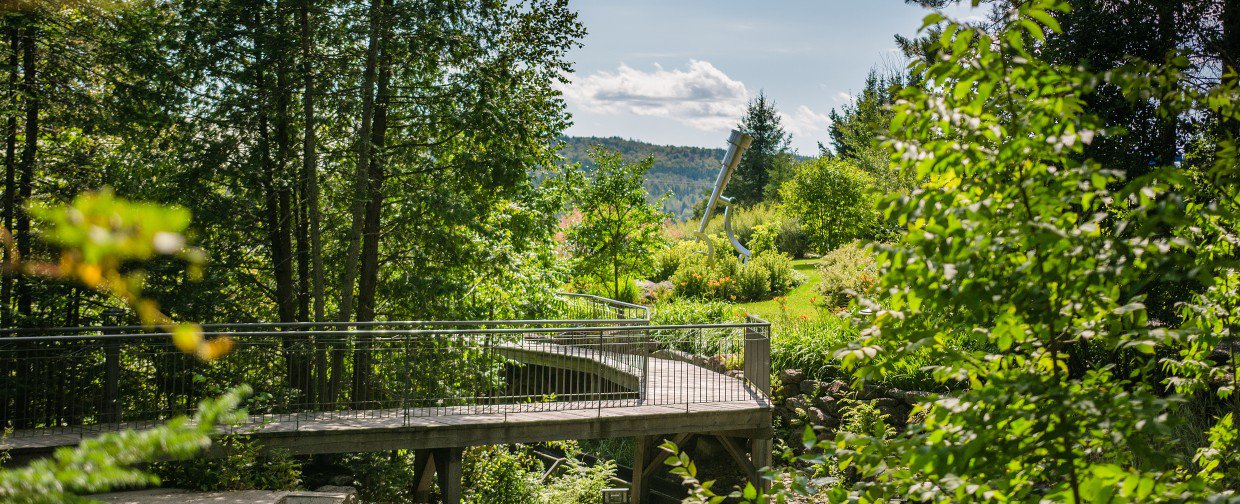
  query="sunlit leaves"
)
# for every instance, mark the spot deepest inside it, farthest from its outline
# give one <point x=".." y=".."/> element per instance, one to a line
<point x="101" y="237"/>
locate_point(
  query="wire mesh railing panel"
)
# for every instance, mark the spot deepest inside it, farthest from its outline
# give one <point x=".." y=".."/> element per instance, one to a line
<point x="400" y="371"/>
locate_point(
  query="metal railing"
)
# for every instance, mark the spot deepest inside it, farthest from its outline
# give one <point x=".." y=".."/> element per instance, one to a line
<point x="109" y="377"/>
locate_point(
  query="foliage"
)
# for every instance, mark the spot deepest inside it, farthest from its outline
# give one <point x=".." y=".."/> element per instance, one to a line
<point x="620" y="230"/>
<point x="684" y="311"/>
<point x="1010" y="233"/>
<point x="498" y="474"/>
<point x="834" y="202"/>
<point x="579" y="483"/>
<point x="101" y="237"/>
<point x="668" y="260"/>
<point x="848" y="271"/>
<point x="769" y="147"/>
<point x="512" y="474"/>
<point x="790" y="238"/>
<point x="725" y="278"/>
<point x="101" y="464"/>
<point x="857" y="128"/>
<point x="242" y="466"/>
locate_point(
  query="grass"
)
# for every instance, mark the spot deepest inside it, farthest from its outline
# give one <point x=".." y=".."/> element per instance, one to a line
<point x="800" y="301"/>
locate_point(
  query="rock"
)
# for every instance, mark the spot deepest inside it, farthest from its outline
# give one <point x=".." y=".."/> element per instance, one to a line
<point x="791" y="376"/>
<point x="915" y="397"/>
<point x="735" y="373"/>
<point x="821" y="418"/>
<point x="828" y="404"/>
<point x="837" y="388"/>
<point x="796" y="403"/>
<point x="810" y="386"/>
<point x="870" y="392"/>
<point x="896" y="410"/>
<point x="342" y="480"/>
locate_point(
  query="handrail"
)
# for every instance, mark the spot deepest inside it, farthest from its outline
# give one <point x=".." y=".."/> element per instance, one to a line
<point x="405" y="323"/>
<point x="622" y="327"/>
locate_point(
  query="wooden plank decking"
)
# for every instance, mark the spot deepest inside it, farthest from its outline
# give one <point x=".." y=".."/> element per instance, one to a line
<point x="679" y="397"/>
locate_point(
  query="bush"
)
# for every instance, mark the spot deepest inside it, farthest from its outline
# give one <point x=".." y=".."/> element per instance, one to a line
<point x="498" y="474"/>
<point x="833" y="201"/>
<point x="244" y="466"/>
<point x="690" y="311"/>
<point x="789" y="236"/>
<point x="781" y="276"/>
<point x="753" y="282"/>
<point x="846" y="272"/>
<point x="766" y="275"/>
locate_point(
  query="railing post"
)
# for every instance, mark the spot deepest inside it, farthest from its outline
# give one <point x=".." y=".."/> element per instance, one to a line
<point x="758" y="355"/>
<point x="111" y="381"/>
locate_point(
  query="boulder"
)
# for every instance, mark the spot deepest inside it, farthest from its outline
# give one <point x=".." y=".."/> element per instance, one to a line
<point x="915" y="397"/>
<point x="791" y="376"/>
<point x="837" y="388"/>
<point x="870" y="392"/>
<point x="796" y="403"/>
<point x="828" y="404"/>
<point x="896" y="410"/>
<point x="810" y="387"/>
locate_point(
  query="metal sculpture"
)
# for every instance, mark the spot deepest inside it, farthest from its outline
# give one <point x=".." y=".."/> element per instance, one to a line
<point x="737" y="143"/>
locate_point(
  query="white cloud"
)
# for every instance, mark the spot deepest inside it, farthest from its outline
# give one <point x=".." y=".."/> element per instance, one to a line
<point x="700" y="96"/>
<point x="842" y="97"/>
<point x="805" y="123"/>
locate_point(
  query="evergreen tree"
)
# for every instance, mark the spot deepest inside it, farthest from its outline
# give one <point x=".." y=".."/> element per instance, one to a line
<point x="856" y="128"/>
<point x="770" y="142"/>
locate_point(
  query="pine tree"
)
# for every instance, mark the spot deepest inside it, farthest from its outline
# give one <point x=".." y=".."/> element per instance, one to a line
<point x="770" y="143"/>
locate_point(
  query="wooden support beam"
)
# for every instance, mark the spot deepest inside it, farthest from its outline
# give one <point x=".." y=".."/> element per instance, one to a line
<point x="442" y="464"/>
<point x="448" y="467"/>
<point x="639" y="492"/>
<point x="741" y="460"/>
<point x="661" y="455"/>
<point x="423" y="475"/>
<point x="760" y="450"/>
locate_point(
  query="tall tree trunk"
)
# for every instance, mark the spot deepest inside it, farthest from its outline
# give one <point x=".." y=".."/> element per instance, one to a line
<point x="10" y="167"/>
<point x="1229" y="53"/>
<point x="310" y="194"/>
<point x="361" y="182"/>
<point x="368" y="282"/>
<point x="30" y="147"/>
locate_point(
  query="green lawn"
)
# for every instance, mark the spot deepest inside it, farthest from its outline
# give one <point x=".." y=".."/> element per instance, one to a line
<point x="799" y="301"/>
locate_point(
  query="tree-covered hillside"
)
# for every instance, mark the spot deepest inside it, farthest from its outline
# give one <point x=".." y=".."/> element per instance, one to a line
<point x="685" y="172"/>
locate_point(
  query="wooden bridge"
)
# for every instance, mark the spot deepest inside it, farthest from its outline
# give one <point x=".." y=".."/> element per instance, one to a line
<point x="431" y="387"/>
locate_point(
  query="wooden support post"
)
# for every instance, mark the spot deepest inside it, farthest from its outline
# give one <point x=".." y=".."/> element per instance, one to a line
<point x="639" y="492"/>
<point x="423" y="475"/>
<point x="443" y="464"/>
<point x="760" y="451"/>
<point x="448" y="467"/>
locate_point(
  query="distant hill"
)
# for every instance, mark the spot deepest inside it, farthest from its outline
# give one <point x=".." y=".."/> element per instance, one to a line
<point x="688" y="173"/>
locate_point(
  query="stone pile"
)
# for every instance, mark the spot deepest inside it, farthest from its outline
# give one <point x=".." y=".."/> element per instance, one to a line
<point x="800" y="401"/>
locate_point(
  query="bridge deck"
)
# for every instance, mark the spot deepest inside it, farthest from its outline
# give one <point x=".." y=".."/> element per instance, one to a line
<point x="679" y="397"/>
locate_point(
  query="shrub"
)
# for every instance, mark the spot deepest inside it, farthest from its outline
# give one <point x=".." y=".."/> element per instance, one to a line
<point x="501" y="475"/>
<point x="781" y="276"/>
<point x="690" y="311"/>
<point x="846" y="272"/>
<point x="753" y="282"/>
<point x="764" y="276"/>
<point x="763" y="239"/>
<point x="244" y="466"/>
<point x="833" y="201"/>
<point x="789" y="236"/>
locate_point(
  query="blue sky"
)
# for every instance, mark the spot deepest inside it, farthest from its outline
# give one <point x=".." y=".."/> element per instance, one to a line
<point x="679" y="71"/>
